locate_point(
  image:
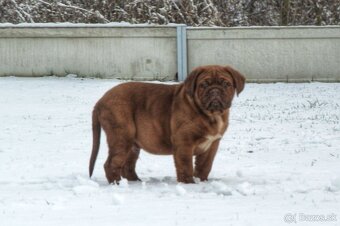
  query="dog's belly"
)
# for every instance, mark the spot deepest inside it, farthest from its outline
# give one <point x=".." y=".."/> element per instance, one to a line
<point x="154" y="148"/>
<point x="153" y="138"/>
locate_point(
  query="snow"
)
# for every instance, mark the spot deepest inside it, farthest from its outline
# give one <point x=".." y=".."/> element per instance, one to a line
<point x="279" y="158"/>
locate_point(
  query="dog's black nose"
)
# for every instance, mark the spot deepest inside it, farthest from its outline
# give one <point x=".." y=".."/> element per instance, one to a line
<point x="215" y="92"/>
<point x="215" y="104"/>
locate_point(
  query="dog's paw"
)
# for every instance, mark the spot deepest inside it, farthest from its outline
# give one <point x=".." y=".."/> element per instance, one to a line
<point x="186" y="180"/>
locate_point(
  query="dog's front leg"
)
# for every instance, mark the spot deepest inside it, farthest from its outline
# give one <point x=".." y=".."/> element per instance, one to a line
<point x="204" y="162"/>
<point x="183" y="161"/>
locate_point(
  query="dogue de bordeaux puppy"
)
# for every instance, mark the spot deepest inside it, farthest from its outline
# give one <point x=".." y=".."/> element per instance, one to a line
<point x="183" y="120"/>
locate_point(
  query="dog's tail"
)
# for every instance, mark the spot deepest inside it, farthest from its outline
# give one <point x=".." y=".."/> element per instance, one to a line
<point x="96" y="128"/>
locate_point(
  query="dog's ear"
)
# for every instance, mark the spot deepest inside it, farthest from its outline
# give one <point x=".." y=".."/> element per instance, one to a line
<point x="190" y="81"/>
<point x="238" y="78"/>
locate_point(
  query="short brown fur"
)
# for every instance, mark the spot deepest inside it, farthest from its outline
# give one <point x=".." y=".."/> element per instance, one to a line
<point x="183" y="120"/>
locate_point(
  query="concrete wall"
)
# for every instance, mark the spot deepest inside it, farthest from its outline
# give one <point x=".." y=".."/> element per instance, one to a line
<point x="263" y="54"/>
<point x="267" y="54"/>
<point x="140" y="53"/>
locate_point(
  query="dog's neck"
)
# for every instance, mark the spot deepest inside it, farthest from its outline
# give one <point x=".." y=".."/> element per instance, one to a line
<point x="194" y="106"/>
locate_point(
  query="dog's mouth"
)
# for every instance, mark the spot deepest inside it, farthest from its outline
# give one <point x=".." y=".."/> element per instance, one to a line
<point x="217" y="105"/>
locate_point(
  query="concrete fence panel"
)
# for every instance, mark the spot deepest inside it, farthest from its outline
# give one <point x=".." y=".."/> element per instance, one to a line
<point x="139" y="53"/>
<point x="270" y="54"/>
<point x="263" y="54"/>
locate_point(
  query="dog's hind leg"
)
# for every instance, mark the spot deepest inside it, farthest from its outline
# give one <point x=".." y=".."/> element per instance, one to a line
<point x="120" y="141"/>
<point x="129" y="169"/>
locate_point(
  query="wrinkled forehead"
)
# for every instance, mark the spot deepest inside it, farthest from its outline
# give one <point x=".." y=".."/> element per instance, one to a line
<point x="215" y="74"/>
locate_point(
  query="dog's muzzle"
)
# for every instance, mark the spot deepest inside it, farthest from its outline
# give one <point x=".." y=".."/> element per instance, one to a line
<point x="214" y="100"/>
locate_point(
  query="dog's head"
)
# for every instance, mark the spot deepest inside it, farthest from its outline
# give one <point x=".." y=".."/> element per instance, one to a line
<point x="213" y="87"/>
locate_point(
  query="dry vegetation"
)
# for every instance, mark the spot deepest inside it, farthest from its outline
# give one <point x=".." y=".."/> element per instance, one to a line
<point x="191" y="12"/>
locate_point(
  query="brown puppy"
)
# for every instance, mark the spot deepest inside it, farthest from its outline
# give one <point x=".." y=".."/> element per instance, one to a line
<point x="183" y="120"/>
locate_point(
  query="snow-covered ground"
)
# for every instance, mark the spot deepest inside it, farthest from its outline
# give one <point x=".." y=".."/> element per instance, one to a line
<point x="278" y="160"/>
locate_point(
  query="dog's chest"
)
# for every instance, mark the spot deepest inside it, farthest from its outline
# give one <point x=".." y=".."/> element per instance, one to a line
<point x="216" y="134"/>
<point x="208" y="142"/>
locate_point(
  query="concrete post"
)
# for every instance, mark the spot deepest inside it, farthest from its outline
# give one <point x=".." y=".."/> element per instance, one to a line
<point x="181" y="52"/>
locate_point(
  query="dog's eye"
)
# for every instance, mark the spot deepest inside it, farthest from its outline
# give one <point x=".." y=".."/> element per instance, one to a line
<point x="204" y="85"/>
<point x="226" y="84"/>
